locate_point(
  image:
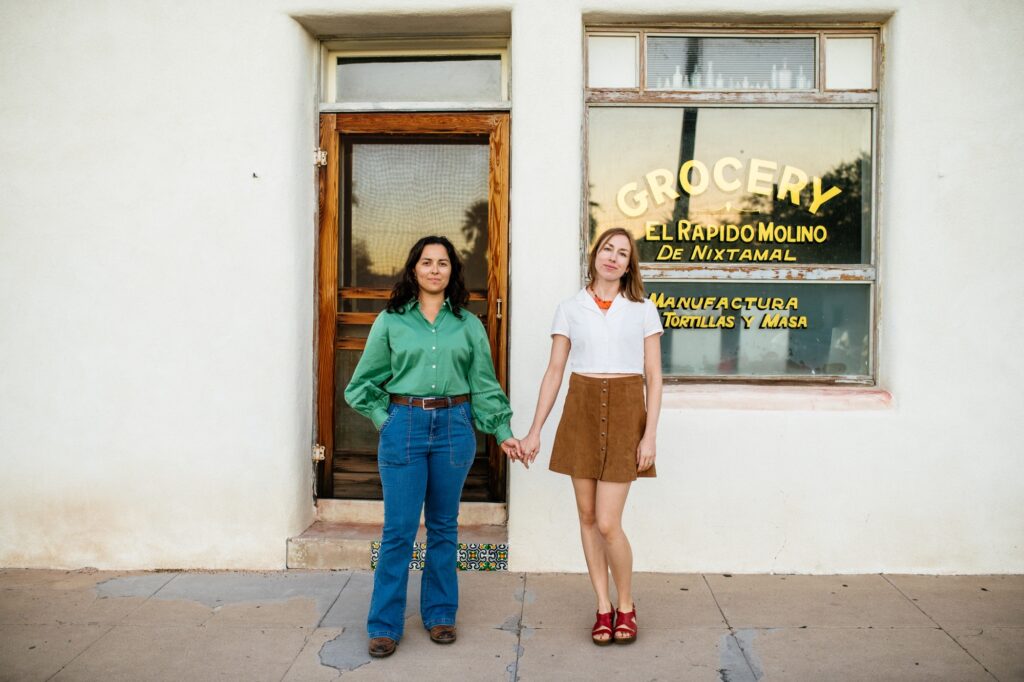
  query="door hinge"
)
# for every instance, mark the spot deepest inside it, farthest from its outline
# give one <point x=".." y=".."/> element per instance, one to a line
<point x="499" y="308"/>
<point x="320" y="157"/>
<point x="319" y="453"/>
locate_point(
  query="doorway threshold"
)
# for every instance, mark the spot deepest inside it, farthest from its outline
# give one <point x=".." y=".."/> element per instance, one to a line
<point x="346" y="535"/>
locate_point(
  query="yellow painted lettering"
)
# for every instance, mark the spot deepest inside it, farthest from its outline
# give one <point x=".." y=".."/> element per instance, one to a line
<point x="792" y="181"/>
<point x="651" y="234"/>
<point x="683" y="230"/>
<point x="719" y="173"/>
<point x="636" y="198"/>
<point x="761" y="175"/>
<point x="820" y="198"/>
<point x="665" y="252"/>
<point x="662" y="184"/>
<point x="698" y="168"/>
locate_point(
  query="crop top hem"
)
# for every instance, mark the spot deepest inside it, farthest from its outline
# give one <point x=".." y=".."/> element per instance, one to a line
<point x="605" y="370"/>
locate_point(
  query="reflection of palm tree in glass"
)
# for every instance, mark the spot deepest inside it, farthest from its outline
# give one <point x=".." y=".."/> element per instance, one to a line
<point x="363" y="273"/>
<point x="474" y="256"/>
<point x="591" y="217"/>
<point x="847" y="216"/>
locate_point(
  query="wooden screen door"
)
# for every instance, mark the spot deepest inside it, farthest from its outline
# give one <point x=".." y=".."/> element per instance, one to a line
<point x="389" y="180"/>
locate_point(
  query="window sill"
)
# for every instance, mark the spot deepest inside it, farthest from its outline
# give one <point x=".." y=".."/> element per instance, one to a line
<point x="776" y="398"/>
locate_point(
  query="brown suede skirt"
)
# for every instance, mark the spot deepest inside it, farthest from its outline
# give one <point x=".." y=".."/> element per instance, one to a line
<point x="602" y="424"/>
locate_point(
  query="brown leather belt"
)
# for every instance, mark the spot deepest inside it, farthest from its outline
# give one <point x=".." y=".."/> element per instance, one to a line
<point x="429" y="403"/>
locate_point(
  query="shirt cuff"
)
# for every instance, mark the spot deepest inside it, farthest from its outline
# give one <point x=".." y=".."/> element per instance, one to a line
<point x="503" y="433"/>
<point x="379" y="416"/>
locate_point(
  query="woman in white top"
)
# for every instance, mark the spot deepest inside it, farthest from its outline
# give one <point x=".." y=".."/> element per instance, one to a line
<point x="610" y="335"/>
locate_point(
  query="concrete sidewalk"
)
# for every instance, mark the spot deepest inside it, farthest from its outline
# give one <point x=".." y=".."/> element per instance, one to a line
<point x="309" y="625"/>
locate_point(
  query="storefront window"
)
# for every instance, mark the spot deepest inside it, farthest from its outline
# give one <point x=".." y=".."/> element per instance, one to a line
<point x="748" y="181"/>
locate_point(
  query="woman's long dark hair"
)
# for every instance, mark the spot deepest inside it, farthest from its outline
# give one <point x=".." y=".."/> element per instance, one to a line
<point x="406" y="288"/>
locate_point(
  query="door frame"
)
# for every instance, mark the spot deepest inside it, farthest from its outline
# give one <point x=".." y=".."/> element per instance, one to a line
<point x="332" y="128"/>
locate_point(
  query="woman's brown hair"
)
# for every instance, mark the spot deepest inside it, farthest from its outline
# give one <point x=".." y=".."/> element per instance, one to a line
<point x="630" y="284"/>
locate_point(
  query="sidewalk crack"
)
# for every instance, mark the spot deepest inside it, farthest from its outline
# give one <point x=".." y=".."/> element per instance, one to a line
<point x="513" y="668"/>
<point x="941" y="629"/>
<point x="723" y="672"/>
<point x="336" y="598"/>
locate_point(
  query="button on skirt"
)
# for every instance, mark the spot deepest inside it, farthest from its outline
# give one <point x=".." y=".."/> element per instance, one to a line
<point x="602" y="424"/>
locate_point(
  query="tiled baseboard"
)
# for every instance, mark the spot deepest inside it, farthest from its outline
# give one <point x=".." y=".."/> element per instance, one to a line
<point x="469" y="557"/>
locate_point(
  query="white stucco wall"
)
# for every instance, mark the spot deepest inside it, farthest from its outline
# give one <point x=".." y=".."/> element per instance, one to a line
<point x="764" y="479"/>
<point x="156" y="287"/>
<point x="156" y="300"/>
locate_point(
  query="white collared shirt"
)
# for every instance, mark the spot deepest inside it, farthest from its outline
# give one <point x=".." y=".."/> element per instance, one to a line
<point x="606" y="343"/>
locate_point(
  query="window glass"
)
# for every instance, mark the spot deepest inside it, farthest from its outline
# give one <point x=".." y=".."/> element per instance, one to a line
<point x="456" y="78"/>
<point x="764" y="328"/>
<point x="734" y="185"/>
<point x="755" y="63"/>
<point x="612" y="61"/>
<point x="850" y="63"/>
<point x="396" y="191"/>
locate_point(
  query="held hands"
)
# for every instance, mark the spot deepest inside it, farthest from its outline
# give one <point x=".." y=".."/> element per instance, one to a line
<point x="524" y="450"/>
<point x="530" y="446"/>
<point x="645" y="453"/>
<point x="513" y="449"/>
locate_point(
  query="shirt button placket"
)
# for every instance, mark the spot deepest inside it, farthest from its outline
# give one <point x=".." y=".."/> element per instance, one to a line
<point x="433" y="330"/>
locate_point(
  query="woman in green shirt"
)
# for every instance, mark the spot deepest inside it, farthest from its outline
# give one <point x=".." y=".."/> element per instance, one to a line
<point x="425" y="377"/>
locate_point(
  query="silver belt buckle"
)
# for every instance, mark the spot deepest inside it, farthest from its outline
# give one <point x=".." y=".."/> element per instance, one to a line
<point x="424" y="403"/>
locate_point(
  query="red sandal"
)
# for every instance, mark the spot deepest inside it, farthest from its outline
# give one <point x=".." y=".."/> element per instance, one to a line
<point x="602" y="626"/>
<point x="625" y="623"/>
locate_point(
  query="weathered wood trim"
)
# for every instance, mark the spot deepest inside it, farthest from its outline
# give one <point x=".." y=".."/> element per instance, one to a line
<point x="357" y="318"/>
<point x="327" y="301"/>
<point x="721" y="29"/>
<point x="349" y="343"/>
<point x="738" y="271"/>
<point x="804" y="380"/>
<point x="497" y="285"/>
<point x="400" y="124"/>
<point x="349" y="293"/>
<point x="694" y="98"/>
<point x="426" y="107"/>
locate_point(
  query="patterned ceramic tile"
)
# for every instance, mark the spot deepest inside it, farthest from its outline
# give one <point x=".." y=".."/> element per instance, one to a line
<point x="470" y="556"/>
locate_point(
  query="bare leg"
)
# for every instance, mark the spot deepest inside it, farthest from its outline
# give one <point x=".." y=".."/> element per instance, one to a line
<point x="593" y="544"/>
<point x="610" y="500"/>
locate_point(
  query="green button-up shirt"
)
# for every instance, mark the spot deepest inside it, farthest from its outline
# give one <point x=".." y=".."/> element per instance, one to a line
<point x="406" y="355"/>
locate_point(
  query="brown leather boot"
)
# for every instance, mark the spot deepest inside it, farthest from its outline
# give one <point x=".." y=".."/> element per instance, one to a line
<point x="443" y="634"/>
<point x="382" y="647"/>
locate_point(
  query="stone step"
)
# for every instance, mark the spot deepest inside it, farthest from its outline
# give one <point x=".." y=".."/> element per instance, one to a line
<point x="372" y="511"/>
<point x="332" y="545"/>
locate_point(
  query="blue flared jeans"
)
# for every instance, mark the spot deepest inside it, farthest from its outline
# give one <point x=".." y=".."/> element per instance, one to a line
<point x="423" y="457"/>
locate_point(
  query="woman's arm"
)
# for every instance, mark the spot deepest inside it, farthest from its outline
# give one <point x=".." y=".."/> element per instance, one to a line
<point x="645" y="451"/>
<point x="549" y="386"/>
<point x="489" y="404"/>
<point x="364" y="393"/>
